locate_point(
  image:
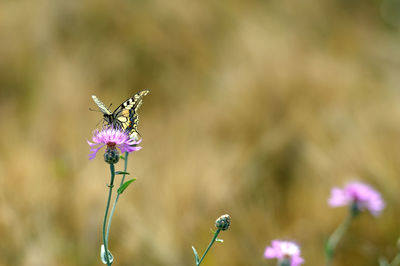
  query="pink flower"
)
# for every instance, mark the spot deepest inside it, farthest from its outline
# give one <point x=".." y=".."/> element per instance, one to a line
<point x="361" y="195"/>
<point x="113" y="138"/>
<point x="284" y="250"/>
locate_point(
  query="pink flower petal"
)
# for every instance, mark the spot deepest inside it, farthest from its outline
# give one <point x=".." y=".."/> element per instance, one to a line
<point x="363" y="195"/>
<point x="296" y="260"/>
<point x="109" y="134"/>
<point x="270" y="253"/>
<point x="284" y="249"/>
<point x="94" y="152"/>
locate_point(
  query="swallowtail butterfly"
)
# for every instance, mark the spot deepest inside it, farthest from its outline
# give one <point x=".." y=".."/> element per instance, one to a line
<point x="125" y="117"/>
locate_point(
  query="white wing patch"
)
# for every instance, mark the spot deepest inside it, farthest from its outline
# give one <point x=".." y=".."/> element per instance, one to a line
<point x="101" y="105"/>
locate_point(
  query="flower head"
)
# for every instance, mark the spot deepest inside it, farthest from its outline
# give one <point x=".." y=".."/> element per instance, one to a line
<point x="223" y="222"/>
<point x="112" y="138"/>
<point x="284" y="251"/>
<point x="361" y="196"/>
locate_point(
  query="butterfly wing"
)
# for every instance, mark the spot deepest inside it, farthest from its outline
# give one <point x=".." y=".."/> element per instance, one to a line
<point x="101" y="105"/>
<point x="126" y="115"/>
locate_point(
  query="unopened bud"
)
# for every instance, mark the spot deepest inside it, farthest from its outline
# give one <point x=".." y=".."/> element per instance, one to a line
<point x="111" y="155"/>
<point x="223" y="222"/>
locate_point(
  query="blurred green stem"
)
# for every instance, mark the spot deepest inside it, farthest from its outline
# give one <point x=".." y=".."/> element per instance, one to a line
<point x="105" y="240"/>
<point x="396" y="260"/>
<point x="209" y="246"/>
<point x="336" y="236"/>
<point x="117" y="197"/>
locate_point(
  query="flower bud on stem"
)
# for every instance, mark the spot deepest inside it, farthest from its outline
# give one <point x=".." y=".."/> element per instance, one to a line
<point x="222" y="224"/>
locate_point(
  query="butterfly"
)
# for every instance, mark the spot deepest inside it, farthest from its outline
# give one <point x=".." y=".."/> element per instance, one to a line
<point x="125" y="117"/>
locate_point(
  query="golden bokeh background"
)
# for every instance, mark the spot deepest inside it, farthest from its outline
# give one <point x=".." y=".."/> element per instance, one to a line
<point x="256" y="109"/>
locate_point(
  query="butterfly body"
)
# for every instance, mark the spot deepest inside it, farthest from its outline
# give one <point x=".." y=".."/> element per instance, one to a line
<point x="125" y="116"/>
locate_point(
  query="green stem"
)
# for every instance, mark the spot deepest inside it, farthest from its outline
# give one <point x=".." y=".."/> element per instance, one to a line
<point x="105" y="242"/>
<point x="117" y="197"/>
<point x="396" y="260"/>
<point x="209" y="246"/>
<point x="336" y="236"/>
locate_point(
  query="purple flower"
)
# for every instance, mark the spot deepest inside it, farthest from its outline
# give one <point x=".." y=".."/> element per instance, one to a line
<point x="361" y="195"/>
<point x="113" y="138"/>
<point x="284" y="250"/>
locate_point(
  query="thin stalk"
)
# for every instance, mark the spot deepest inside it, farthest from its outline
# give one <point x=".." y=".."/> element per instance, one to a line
<point x="336" y="236"/>
<point x="209" y="246"/>
<point x="117" y="197"/>
<point x="105" y="242"/>
<point x="396" y="260"/>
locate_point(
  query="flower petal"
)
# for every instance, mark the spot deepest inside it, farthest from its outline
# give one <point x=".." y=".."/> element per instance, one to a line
<point x="270" y="253"/>
<point x="338" y="198"/>
<point x="91" y="144"/>
<point x="110" y="134"/>
<point x="296" y="260"/>
<point x="94" y="152"/>
<point x="361" y="194"/>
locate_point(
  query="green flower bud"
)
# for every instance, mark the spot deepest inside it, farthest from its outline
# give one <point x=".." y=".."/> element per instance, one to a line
<point x="284" y="262"/>
<point x="223" y="222"/>
<point x="111" y="155"/>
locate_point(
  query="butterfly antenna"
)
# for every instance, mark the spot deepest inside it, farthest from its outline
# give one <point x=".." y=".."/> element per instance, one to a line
<point x="99" y="122"/>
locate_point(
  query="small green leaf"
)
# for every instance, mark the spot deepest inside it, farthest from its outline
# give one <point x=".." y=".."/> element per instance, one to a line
<point x="219" y="240"/>
<point x="125" y="185"/>
<point x="122" y="157"/>
<point x="196" y="256"/>
<point x="328" y="250"/>
<point x="383" y="262"/>
<point x="103" y="255"/>
<point x="121" y="173"/>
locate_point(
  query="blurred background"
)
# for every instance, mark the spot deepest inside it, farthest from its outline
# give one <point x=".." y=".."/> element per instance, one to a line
<point x="256" y="109"/>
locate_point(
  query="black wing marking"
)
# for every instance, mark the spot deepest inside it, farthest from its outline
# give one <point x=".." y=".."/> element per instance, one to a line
<point x="126" y="116"/>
